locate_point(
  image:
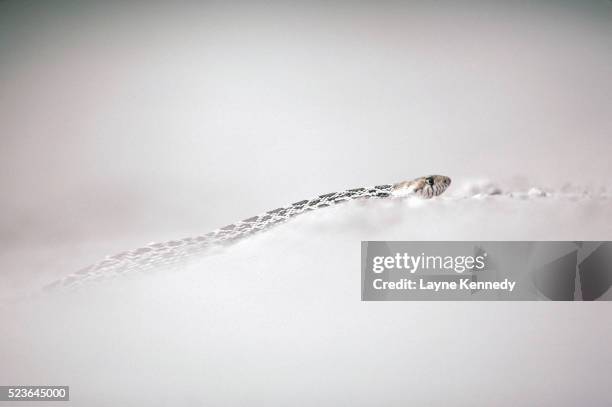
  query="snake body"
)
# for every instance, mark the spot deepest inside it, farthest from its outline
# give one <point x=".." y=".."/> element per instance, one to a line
<point x="158" y="255"/>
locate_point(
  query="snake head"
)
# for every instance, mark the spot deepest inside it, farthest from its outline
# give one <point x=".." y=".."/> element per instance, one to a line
<point x="424" y="187"/>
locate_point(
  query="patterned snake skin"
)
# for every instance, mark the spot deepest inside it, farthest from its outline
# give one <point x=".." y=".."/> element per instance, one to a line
<point x="159" y="255"/>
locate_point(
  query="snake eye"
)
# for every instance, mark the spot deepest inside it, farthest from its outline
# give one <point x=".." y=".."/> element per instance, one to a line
<point x="429" y="180"/>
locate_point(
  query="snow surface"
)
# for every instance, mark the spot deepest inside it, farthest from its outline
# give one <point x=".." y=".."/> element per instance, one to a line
<point x="278" y="318"/>
<point x="159" y="121"/>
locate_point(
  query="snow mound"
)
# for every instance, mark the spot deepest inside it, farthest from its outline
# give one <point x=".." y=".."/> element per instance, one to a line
<point x="279" y="316"/>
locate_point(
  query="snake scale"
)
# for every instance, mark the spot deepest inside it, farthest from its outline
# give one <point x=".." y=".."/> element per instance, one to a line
<point x="157" y="255"/>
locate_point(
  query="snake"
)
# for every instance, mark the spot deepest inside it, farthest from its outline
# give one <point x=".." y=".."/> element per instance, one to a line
<point x="160" y="255"/>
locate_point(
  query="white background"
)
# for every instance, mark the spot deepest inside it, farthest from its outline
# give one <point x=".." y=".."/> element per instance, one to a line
<point x="122" y="124"/>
